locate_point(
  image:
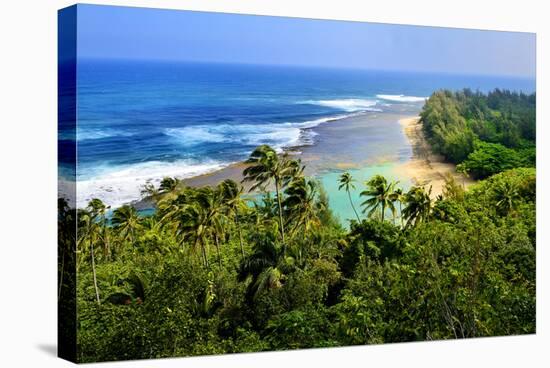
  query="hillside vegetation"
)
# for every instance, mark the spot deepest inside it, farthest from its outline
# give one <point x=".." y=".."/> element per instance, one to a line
<point x="217" y="271"/>
<point x="485" y="134"/>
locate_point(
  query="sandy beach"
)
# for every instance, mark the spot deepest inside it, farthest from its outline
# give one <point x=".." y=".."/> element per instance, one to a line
<point x="233" y="171"/>
<point x="396" y="148"/>
<point x="423" y="168"/>
<point x="426" y="168"/>
<point x="352" y="143"/>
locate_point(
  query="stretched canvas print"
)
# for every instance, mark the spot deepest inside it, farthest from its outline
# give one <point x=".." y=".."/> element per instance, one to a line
<point x="237" y="183"/>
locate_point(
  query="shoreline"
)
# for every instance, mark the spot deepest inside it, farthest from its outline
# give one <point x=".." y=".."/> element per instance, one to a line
<point x="426" y="168"/>
<point x="422" y="167"/>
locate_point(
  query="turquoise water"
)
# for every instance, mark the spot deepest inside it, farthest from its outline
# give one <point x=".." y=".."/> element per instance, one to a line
<point x="338" y="199"/>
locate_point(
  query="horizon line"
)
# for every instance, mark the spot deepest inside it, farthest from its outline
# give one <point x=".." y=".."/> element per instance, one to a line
<point x="305" y="66"/>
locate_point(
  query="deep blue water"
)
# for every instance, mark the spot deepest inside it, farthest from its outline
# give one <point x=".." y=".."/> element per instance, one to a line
<point x="141" y="121"/>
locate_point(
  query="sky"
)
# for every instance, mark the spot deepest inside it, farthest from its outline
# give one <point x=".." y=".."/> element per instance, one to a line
<point x="109" y="32"/>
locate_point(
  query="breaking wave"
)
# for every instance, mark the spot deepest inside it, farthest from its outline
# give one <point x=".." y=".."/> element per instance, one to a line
<point x="401" y="98"/>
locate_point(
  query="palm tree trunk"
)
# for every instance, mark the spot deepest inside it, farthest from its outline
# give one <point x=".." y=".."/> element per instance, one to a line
<point x="205" y="256"/>
<point x="353" y="207"/>
<point x="278" y="190"/>
<point x="106" y="241"/>
<point x="383" y="210"/>
<point x="131" y="233"/>
<point x="94" y="273"/>
<point x="240" y="233"/>
<point x="194" y="249"/>
<point x="401" y="213"/>
<point x="218" y="249"/>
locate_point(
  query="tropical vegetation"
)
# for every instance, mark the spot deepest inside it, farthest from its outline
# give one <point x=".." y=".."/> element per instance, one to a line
<point x="484" y="133"/>
<point x="216" y="270"/>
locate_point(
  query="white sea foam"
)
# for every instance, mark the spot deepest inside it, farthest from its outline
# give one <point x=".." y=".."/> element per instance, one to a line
<point x="279" y="135"/>
<point x="349" y="104"/>
<point x="83" y="134"/>
<point x="193" y="135"/>
<point x="401" y="98"/>
<point x="118" y="185"/>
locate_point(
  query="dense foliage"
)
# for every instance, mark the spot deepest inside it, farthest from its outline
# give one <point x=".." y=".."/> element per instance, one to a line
<point x="210" y="273"/>
<point x="485" y="133"/>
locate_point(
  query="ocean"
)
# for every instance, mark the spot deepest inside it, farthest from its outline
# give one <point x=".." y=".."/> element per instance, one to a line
<point x="139" y="121"/>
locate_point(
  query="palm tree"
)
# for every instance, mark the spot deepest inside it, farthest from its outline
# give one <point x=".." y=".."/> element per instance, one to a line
<point x="169" y="209"/>
<point x="379" y="196"/>
<point x="148" y="190"/>
<point x="98" y="209"/>
<point x="189" y="224"/>
<point x="88" y="224"/>
<point x="397" y="196"/>
<point x="231" y="192"/>
<point x="264" y="267"/>
<point x="266" y="165"/>
<point x="188" y="215"/>
<point x="203" y="218"/>
<point x="418" y="205"/>
<point x="172" y="213"/>
<point x="265" y="215"/>
<point x="301" y="206"/>
<point x="506" y="194"/>
<point x="126" y="220"/>
<point x="152" y="229"/>
<point x="169" y="185"/>
<point x="346" y="182"/>
<point x="393" y="198"/>
<point x="212" y="202"/>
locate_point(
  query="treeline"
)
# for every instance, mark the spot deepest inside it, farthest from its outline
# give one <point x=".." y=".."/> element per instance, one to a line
<point x="214" y="271"/>
<point x="484" y="133"/>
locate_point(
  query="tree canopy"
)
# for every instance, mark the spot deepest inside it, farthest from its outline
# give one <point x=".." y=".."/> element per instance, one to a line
<point x="485" y="133"/>
<point x="210" y="272"/>
<point x="215" y="270"/>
